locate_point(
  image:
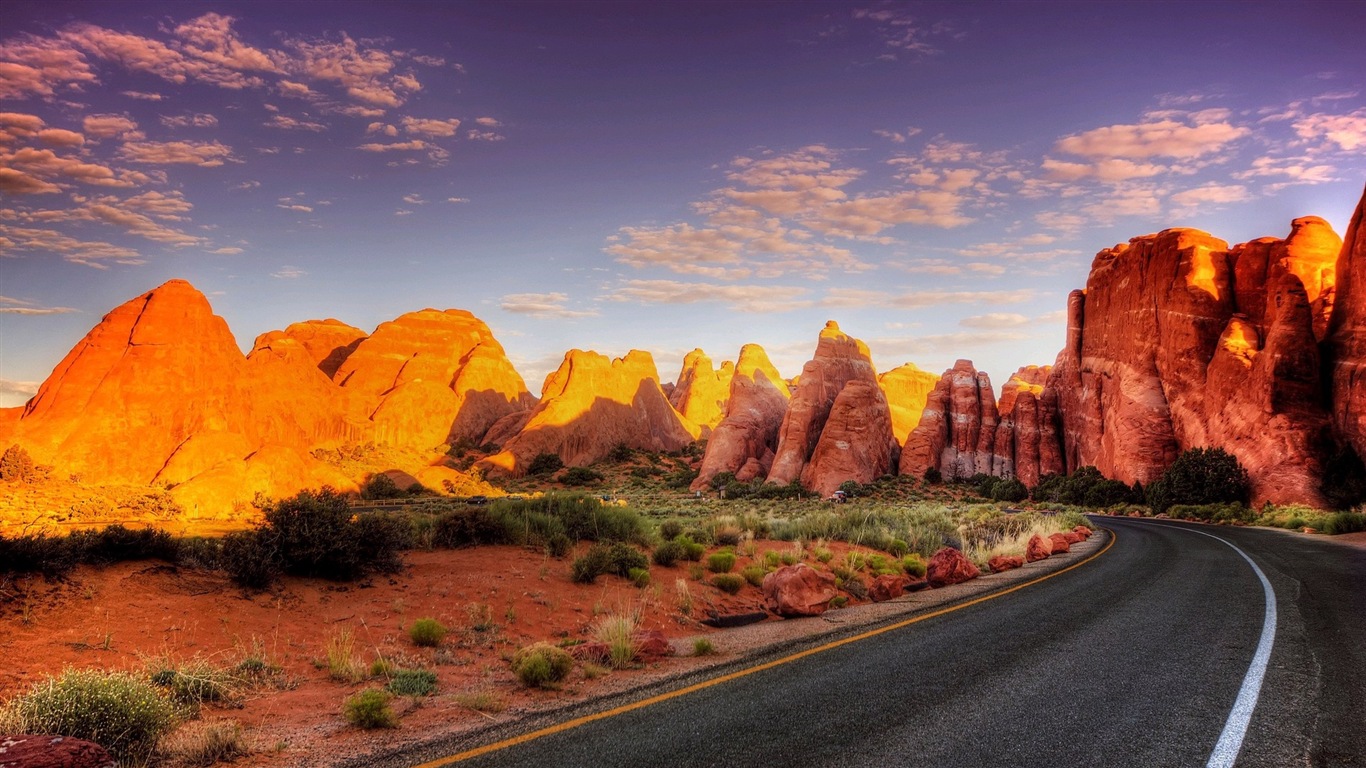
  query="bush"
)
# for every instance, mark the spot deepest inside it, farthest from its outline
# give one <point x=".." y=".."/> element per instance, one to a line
<point x="618" y="558"/>
<point x="621" y="452"/>
<point x="250" y="559"/>
<point x="194" y="682"/>
<point x="412" y="682"/>
<point x="730" y="583"/>
<point x="691" y="549"/>
<point x="427" y="633"/>
<point x="851" y="488"/>
<point x="754" y="574"/>
<point x="52" y="556"/>
<point x="16" y="466"/>
<point x="1200" y="476"/>
<point x="380" y="486"/>
<point x="468" y="527"/>
<point x="1010" y="489"/>
<point x="639" y="577"/>
<point x="668" y="553"/>
<point x="914" y="565"/>
<point x="208" y="745"/>
<point x="721" y="562"/>
<point x="581" y="476"/>
<point x="545" y="464"/>
<point x="117" y="544"/>
<point x="125" y="714"/>
<point x="933" y="476"/>
<point x="316" y="534"/>
<point x="702" y="647"/>
<point x="541" y="665"/>
<point x="670" y="530"/>
<point x="1344" y="522"/>
<point x="370" y="709"/>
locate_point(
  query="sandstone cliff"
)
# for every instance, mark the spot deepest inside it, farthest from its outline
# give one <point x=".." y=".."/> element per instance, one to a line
<point x="745" y="440"/>
<point x="701" y="391"/>
<point x="907" y="390"/>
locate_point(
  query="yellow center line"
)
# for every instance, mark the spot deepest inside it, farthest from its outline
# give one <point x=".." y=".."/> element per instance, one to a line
<point x="641" y="704"/>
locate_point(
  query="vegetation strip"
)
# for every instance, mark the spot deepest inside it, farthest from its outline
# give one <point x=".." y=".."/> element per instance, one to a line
<point x="657" y="699"/>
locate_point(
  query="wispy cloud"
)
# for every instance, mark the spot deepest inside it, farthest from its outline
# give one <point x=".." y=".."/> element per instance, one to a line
<point x="543" y="306"/>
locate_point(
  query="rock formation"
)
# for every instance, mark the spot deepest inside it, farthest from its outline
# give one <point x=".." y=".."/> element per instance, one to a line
<point x="1347" y="336"/>
<point x="907" y="389"/>
<point x="588" y="407"/>
<point x="326" y="343"/>
<point x="745" y="440"/>
<point x="798" y="590"/>
<point x="957" y="431"/>
<point x="701" y="392"/>
<point x="839" y="360"/>
<point x="857" y="442"/>
<point x="949" y="566"/>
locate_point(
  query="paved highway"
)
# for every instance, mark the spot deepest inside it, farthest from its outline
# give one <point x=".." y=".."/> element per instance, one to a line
<point x="1135" y="659"/>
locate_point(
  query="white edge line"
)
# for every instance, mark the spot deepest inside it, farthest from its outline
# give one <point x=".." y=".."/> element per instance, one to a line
<point x="1230" y="742"/>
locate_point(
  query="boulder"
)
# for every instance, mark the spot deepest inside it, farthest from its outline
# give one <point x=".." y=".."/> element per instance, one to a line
<point x="887" y="587"/>
<point x="1072" y="537"/>
<point x="745" y="440"/>
<point x="1038" y="548"/>
<point x="1083" y="531"/>
<point x="1002" y="563"/>
<point x="590" y="405"/>
<point x="52" y="752"/>
<point x="798" y="590"/>
<point x="950" y="566"/>
<point x="856" y="443"/>
<point x="1059" y="542"/>
<point x="651" y="645"/>
<point x="701" y="392"/>
<point x="839" y="359"/>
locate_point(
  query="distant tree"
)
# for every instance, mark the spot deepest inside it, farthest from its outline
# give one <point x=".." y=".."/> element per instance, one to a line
<point x="1009" y="489"/>
<point x="16" y="466"/>
<point x="933" y="476"/>
<point x="1200" y="476"/>
<point x="380" y="486"/>
<point x="581" y="476"/>
<point x="545" y="464"/>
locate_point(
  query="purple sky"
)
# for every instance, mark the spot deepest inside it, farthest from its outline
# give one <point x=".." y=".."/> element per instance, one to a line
<point x="936" y="177"/>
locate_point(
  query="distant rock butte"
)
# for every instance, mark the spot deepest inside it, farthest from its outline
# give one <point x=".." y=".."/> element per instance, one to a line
<point x="839" y="359"/>
<point x="907" y="389"/>
<point x="745" y="440"/>
<point x="701" y="391"/>
<point x="590" y="405"/>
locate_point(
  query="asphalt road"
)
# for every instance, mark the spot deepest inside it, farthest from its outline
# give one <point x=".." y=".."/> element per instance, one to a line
<point x="1134" y="659"/>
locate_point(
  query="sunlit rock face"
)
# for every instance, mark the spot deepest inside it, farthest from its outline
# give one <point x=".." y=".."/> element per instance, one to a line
<point x="325" y="343"/>
<point x="432" y="377"/>
<point x="745" y="440"/>
<point x="839" y="360"/>
<point x="857" y="442"/>
<point x="907" y="389"/>
<point x="701" y="391"/>
<point x="1025" y="444"/>
<point x="1180" y="342"/>
<point x="590" y="405"/>
<point x="1347" y="336"/>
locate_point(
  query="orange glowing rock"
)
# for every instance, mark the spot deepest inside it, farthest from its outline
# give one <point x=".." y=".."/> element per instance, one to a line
<point x="701" y="391"/>
<point x="590" y="405"/>
<point x="745" y="440"/>
<point x="327" y="343"/>
<point x="907" y="389"/>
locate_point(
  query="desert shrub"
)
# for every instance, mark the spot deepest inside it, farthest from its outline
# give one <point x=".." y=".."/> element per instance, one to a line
<point x="193" y="682"/>
<point x="727" y="535"/>
<point x="730" y="583"/>
<point x="250" y="559"/>
<point x="529" y="527"/>
<point x="339" y="658"/>
<point x="851" y="488"/>
<point x="117" y="544"/>
<point x="754" y="574"/>
<point x="933" y="476"/>
<point x="16" y="466"/>
<point x="315" y="534"/>
<point x="670" y="530"/>
<point x="914" y="565"/>
<point x="620" y="452"/>
<point x="1200" y="476"/>
<point x="558" y="545"/>
<point x="623" y="558"/>
<point x="668" y="553"/>
<point x="1344" y="522"/>
<point x="541" y="665"/>
<point x="200" y="552"/>
<point x="583" y="517"/>
<point x="581" y="476"/>
<point x="1344" y="480"/>
<point x="370" y="709"/>
<point x="208" y="744"/>
<point x="1011" y="489"/>
<point x="427" y="632"/>
<point x="618" y="632"/>
<point x="702" y="647"/>
<point x="380" y="486"/>
<point x="1213" y="513"/>
<point x="898" y="548"/>
<point x="721" y="480"/>
<point x="468" y="527"/>
<point x="380" y="541"/>
<point x="691" y="549"/>
<point x="545" y="464"/>
<point x="721" y="562"/>
<point x="52" y="556"/>
<point x="639" y="577"/>
<point x="121" y="712"/>
<point x="412" y="682"/>
<point x="1106" y="493"/>
<point x="588" y="567"/>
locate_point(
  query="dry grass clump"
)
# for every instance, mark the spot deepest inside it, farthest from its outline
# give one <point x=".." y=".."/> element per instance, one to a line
<point x="204" y="744"/>
<point x="617" y="631"/>
<point x="541" y="665"/>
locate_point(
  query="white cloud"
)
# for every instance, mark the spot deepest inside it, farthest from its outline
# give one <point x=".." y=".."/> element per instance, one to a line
<point x="741" y="298"/>
<point x="543" y="306"/>
<point x="1163" y="138"/>
<point x="288" y="273"/>
<point x="431" y="127"/>
<point x="995" y="320"/>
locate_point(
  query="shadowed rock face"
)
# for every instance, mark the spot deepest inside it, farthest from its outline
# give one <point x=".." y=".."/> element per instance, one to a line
<point x="589" y="406"/>
<point x="839" y="359"/>
<point x="1347" y="336"/>
<point x="701" y="392"/>
<point x="746" y="438"/>
<point x="325" y="343"/>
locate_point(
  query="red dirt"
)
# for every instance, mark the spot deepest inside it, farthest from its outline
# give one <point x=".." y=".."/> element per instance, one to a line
<point x="125" y="615"/>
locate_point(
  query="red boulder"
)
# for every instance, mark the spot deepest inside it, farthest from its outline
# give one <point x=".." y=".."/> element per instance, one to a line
<point x="1083" y="531"/>
<point x="949" y="566"/>
<point x="1060" y="543"/>
<point x="1038" y="548"/>
<point x="52" y="752"/>
<point x="887" y="586"/>
<point x="1001" y="563"/>
<point x="798" y="590"/>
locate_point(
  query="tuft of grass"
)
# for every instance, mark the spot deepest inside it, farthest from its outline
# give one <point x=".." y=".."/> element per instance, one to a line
<point x="194" y="681"/>
<point x="640" y="577"/>
<point x="370" y="708"/>
<point x="702" y="647"/>
<point x="124" y="713"/>
<point x="721" y="562"/>
<point x="754" y="574"/>
<point x="541" y="665"/>
<point x="339" y="658"/>
<point x="730" y="583"/>
<point x="481" y="701"/>
<point x="427" y="632"/>
<point x="617" y="631"/>
<point x="684" y="596"/>
<point x="412" y="682"/>
<point x="208" y="744"/>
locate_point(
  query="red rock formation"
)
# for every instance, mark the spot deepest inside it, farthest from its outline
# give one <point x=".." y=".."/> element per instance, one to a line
<point x="1347" y="336"/>
<point x="1019" y="449"/>
<point x="1002" y="563"/>
<point x="949" y="566"/>
<point x="839" y="359"/>
<point x="326" y="343"/>
<point x="886" y="587"/>
<point x="588" y="407"/>
<point x="798" y="590"/>
<point x="1082" y="531"/>
<point x="908" y="390"/>
<point x="701" y="392"/>
<point x="745" y="440"/>
<point x="1059" y="542"/>
<point x="856" y="443"/>
<point x="52" y="752"/>
<point x="1038" y="548"/>
<point x="957" y="431"/>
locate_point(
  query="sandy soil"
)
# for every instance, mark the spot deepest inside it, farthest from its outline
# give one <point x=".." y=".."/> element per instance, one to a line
<point x="494" y="599"/>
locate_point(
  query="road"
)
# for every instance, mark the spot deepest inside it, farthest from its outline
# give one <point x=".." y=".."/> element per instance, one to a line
<point x="1134" y="659"/>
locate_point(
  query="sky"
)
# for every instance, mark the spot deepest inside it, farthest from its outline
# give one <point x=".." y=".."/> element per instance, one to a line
<point x="936" y="177"/>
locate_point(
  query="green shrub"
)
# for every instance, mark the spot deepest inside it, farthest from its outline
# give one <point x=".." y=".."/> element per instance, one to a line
<point x="194" y="682"/>
<point x="250" y="559"/>
<point x="1344" y="480"/>
<point x="380" y="486"/>
<point x="558" y="545"/>
<point x="52" y="556"/>
<point x="754" y="574"/>
<point x="123" y="713"/>
<point x="896" y="547"/>
<point x="592" y="564"/>
<point x="691" y="549"/>
<point x="1344" y="522"/>
<point x="316" y="534"/>
<point x="581" y="476"/>
<point x="933" y="476"/>
<point x="1200" y="476"/>
<point x="639" y="576"/>
<point x="670" y="530"/>
<point x="370" y="709"/>
<point x="1010" y="489"/>
<point x="721" y="562"/>
<point x="117" y="544"/>
<point x="545" y="464"/>
<point x="668" y="553"/>
<point x="730" y="583"/>
<point x="914" y="565"/>
<point x="16" y="466"/>
<point x="541" y="665"/>
<point x="468" y="527"/>
<point x="412" y="682"/>
<point x="727" y="536"/>
<point x="702" y="647"/>
<point x="427" y="633"/>
<point x="624" y="558"/>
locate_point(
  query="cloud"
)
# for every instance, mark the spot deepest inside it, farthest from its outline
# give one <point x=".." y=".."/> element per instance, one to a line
<point x="190" y="121"/>
<point x="387" y="130"/>
<point x="35" y="66"/>
<point x="90" y="253"/>
<point x="143" y="96"/>
<point x="401" y="146"/>
<point x="57" y="137"/>
<point x="226" y="251"/>
<point x="899" y="32"/>
<point x="434" y="128"/>
<point x="1347" y="132"/>
<point x="473" y="135"/>
<point x="1163" y="138"/>
<point x="414" y="199"/>
<point x="24" y="389"/>
<point x="995" y="320"/>
<point x="959" y="344"/>
<point x="1208" y="196"/>
<point x="487" y="122"/>
<point x="46" y="164"/>
<point x="16" y="182"/>
<point x="543" y="306"/>
<point x="11" y="306"/>
<point x="205" y="154"/>
<point x="897" y="137"/>
<point x="292" y="124"/>
<point x="857" y="297"/>
<point x="457" y="199"/>
<point x="288" y="273"/>
<point x="741" y="298"/>
<point x="295" y="207"/>
<point x="109" y="126"/>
